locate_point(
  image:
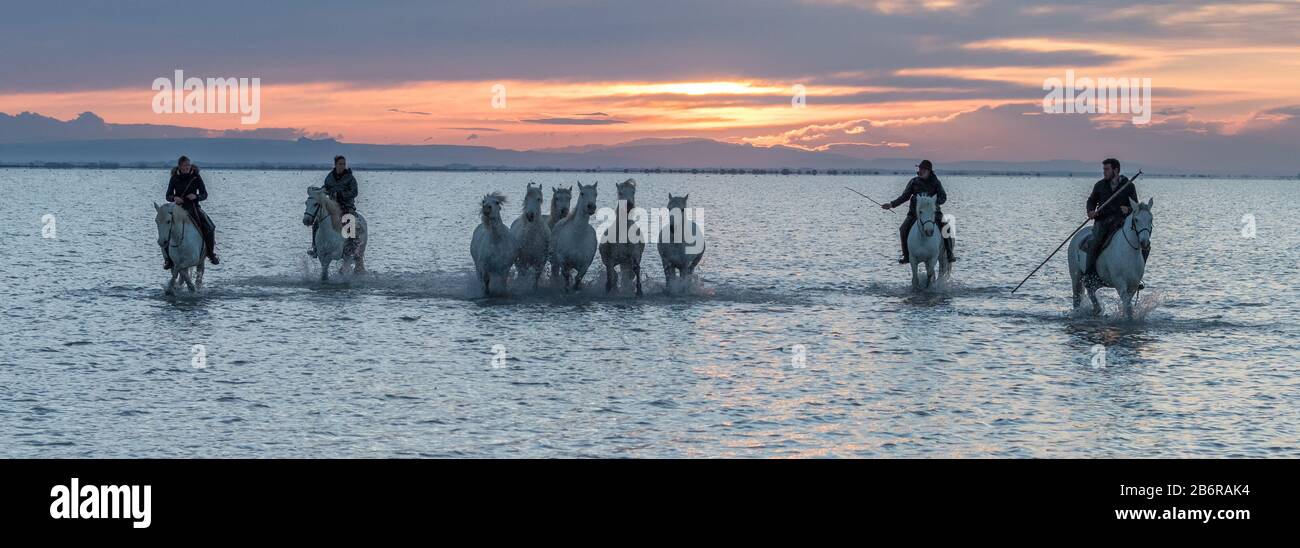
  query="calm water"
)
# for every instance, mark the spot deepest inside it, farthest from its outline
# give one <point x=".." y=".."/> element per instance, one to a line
<point x="96" y="362"/>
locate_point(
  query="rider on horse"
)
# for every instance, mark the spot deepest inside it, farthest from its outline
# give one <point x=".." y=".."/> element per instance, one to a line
<point x="925" y="182"/>
<point x="341" y="186"/>
<point x="186" y="189"/>
<point x="1108" y="219"/>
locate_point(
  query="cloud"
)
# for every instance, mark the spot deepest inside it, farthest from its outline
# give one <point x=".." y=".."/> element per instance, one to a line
<point x="1268" y="143"/>
<point x="573" y="121"/>
<point x="409" y="112"/>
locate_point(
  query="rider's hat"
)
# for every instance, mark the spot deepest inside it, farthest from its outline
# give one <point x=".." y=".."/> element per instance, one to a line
<point x="925" y="164"/>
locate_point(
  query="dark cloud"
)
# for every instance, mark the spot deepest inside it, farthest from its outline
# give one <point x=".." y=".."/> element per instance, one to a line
<point x="111" y="45"/>
<point x="472" y="128"/>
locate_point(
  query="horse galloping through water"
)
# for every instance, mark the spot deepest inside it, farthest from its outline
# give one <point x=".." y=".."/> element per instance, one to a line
<point x="573" y="240"/>
<point x="560" y="200"/>
<point x="623" y="244"/>
<point x="925" y="244"/>
<point x="180" y="240"/>
<point x="532" y="235"/>
<point x="339" y="237"/>
<point x="1121" y="264"/>
<point x="493" y="248"/>
<point x="681" y="244"/>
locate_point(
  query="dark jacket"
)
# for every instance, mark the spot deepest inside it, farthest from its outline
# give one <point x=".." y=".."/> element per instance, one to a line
<point x="1102" y="191"/>
<point x="342" y="188"/>
<point x="185" y="184"/>
<point x="921" y="186"/>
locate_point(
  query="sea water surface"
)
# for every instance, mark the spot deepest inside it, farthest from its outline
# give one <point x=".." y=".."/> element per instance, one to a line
<point x="801" y="337"/>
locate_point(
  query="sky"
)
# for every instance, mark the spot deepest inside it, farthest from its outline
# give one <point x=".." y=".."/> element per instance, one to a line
<point x="956" y="80"/>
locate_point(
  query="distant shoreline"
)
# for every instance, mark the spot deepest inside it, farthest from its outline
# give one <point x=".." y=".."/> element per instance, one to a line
<point x="629" y="171"/>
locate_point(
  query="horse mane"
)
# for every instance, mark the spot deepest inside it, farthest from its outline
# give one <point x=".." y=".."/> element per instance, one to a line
<point x="331" y="207"/>
<point x="529" y="192"/>
<point x="181" y="216"/>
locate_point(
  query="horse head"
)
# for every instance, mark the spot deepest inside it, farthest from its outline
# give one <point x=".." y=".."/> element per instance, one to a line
<point x="533" y="203"/>
<point x="313" y="206"/>
<point x="587" y="198"/>
<point x="1141" y="220"/>
<point x="627" y="192"/>
<point x="490" y="207"/>
<point x="560" y="200"/>
<point x="163" y="218"/>
<point x="925" y="207"/>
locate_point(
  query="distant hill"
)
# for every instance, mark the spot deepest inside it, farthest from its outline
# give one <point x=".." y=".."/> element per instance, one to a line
<point x="701" y="154"/>
<point x="33" y="139"/>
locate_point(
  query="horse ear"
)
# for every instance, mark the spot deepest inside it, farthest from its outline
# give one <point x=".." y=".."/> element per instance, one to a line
<point x="1151" y="201"/>
<point x="156" y="207"/>
<point x="687" y="196"/>
<point x="1132" y="204"/>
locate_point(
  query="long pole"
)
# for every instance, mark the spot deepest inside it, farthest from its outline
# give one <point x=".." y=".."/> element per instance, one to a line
<point x="1075" y="231"/>
<point x="869" y="198"/>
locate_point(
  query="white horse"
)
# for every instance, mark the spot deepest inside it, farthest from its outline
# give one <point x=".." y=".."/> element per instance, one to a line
<point x="180" y="240"/>
<point x="338" y="237"/>
<point x="493" y="248"/>
<point x="573" y="241"/>
<point x="681" y="244"/>
<point x="560" y="200"/>
<point x="625" y="254"/>
<point x="925" y="244"/>
<point x="1120" y="264"/>
<point x="532" y="235"/>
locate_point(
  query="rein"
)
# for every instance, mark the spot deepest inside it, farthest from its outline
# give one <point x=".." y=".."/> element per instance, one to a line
<point x="1133" y="225"/>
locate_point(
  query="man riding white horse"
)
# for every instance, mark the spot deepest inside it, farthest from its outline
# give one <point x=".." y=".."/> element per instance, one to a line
<point x="925" y="182"/>
<point x="1106" y="220"/>
<point x="340" y="185"/>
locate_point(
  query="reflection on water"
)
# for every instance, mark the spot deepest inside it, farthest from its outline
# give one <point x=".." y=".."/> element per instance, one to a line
<point x="405" y="362"/>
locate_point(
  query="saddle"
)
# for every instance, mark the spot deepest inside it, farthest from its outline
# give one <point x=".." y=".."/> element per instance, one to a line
<point x="1089" y="240"/>
<point x="350" y="244"/>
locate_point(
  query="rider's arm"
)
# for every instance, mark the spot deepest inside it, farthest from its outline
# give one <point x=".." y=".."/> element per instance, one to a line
<point x="171" y="188"/>
<point x="942" y="196"/>
<point x="907" y="195"/>
<point x="202" y="192"/>
<point x="349" y="190"/>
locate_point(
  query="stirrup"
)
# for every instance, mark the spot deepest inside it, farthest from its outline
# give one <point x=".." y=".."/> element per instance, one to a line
<point x="311" y="253"/>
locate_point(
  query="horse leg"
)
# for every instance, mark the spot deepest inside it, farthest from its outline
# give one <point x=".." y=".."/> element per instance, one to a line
<point x="185" y="278"/>
<point x="171" y="285"/>
<point x="609" y="277"/>
<point x="636" y="271"/>
<point x="930" y="265"/>
<point x="198" y="281"/>
<point x="1126" y="297"/>
<point x="1092" y="296"/>
<point x="358" y="265"/>
<point x="916" y="276"/>
<point x="324" y="270"/>
<point x="577" y="279"/>
<point x="1076" y="283"/>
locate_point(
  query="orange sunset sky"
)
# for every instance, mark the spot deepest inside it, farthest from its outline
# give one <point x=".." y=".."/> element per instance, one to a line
<point x="882" y="78"/>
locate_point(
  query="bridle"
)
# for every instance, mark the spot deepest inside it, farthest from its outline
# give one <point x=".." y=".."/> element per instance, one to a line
<point x="1133" y="223"/>
<point x="171" y="220"/>
<point x="931" y="221"/>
